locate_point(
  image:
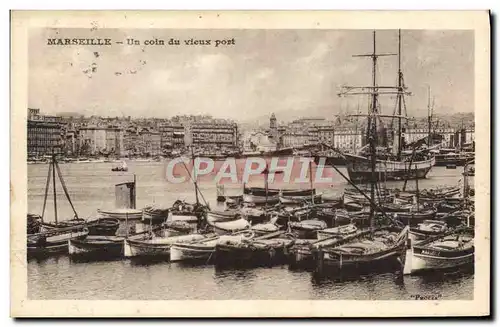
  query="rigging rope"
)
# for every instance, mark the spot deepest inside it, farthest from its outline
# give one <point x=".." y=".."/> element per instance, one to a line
<point x="196" y="184"/>
<point x="64" y="188"/>
<point x="46" y="190"/>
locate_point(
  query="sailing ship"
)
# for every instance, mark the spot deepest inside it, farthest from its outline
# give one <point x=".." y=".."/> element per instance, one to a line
<point x="392" y="163"/>
<point x="48" y="238"/>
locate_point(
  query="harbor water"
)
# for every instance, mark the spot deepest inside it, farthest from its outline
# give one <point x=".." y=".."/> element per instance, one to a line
<point x="91" y="187"/>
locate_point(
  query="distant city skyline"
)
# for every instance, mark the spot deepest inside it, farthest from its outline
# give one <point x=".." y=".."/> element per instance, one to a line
<point x="293" y="73"/>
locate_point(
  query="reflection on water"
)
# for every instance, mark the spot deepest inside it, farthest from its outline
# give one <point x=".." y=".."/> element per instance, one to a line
<point x="92" y="186"/>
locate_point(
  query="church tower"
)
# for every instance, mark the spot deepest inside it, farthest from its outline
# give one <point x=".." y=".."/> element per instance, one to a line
<point x="273" y="128"/>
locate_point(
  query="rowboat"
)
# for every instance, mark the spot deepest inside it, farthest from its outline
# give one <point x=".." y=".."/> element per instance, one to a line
<point x="426" y="229"/>
<point x="220" y="216"/>
<point x="155" y="214"/>
<point x="449" y="251"/>
<point x="340" y="231"/>
<point x="156" y="247"/>
<point x="306" y="229"/>
<point x="96" y="247"/>
<point x="121" y="213"/>
<point x="415" y="217"/>
<point x="103" y="226"/>
<point x="360" y="252"/>
<point x="54" y="240"/>
<point x="203" y="249"/>
<point x="228" y="227"/>
<point x="268" y="249"/>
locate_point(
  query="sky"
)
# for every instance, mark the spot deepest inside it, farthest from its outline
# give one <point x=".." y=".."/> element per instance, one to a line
<point x="288" y="72"/>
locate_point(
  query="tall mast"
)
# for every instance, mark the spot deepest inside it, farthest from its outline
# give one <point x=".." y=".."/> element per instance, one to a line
<point x="195" y="177"/>
<point x="54" y="184"/>
<point x="373" y="132"/>
<point x="429" y="117"/>
<point x="400" y="95"/>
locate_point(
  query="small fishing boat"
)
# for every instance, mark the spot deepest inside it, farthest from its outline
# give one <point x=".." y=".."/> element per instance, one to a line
<point x="122" y="167"/>
<point x="413" y="218"/>
<point x="96" y="247"/>
<point x="103" y="226"/>
<point x="260" y="196"/>
<point x="45" y="238"/>
<point x="306" y="229"/>
<point x="228" y="227"/>
<point x="152" y="246"/>
<point x="183" y="211"/>
<point x="331" y="197"/>
<point x="383" y="248"/>
<point x="340" y="231"/>
<point x="271" y="248"/>
<point x="264" y="228"/>
<point x="428" y="228"/>
<point x="254" y="215"/>
<point x="353" y="206"/>
<point x="301" y="254"/>
<point x="121" y="213"/>
<point x="155" y="214"/>
<point x="220" y="216"/>
<point x="203" y="249"/>
<point x="54" y="240"/>
<point x="452" y="250"/>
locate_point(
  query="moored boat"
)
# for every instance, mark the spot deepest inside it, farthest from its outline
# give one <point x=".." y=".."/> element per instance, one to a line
<point x="54" y="240"/>
<point x="203" y="249"/>
<point x="306" y="229"/>
<point x="449" y="251"/>
<point x="151" y="246"/>
<point x="427" y="228"/>
<point x="96" y="247"/>
<point x="103" y="226"/>
<point x="339" y="231"/>
<point x="361" y="253"/>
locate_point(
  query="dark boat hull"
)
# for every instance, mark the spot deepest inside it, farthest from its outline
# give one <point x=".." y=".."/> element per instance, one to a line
<point x="227" y="255"/>
<point x="360" y="170"/>
<point x="88" y="249"/>
<point x="333" y="264"/>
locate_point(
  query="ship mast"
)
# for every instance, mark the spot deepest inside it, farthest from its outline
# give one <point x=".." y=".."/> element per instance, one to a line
<point x="400" y="96"/>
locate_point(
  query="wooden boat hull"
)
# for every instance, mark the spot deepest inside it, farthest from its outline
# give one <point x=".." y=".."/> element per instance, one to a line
<point x="258" y="199"/>
<point x="96" y="248"/>
<point x="299" y="199"/>
<point x="252" y="254"/>
<point x="121" y="214"/>
<point x="390" y="259"/>
<point x="159" y="249"/>
<point x="414" y="218"/>
<point x="359" y="169"/>
<point x="104" y="227"/>
<point x="52" y="242"/>
<point x="428" y="258"/>
<point x="191" y="252"/>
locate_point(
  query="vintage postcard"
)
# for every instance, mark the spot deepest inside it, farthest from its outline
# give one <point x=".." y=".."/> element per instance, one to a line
<point x="250" y="164"/>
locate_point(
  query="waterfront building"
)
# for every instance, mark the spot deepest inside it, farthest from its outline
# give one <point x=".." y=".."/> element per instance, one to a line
<point x="100" y="140"/>
<point x="171" y="136"/>
<point x="258" y="141"/>
<point x="149" y="142"/>
<point x="217" y="134"/>
<point x="349" y="140"/>
<point x="44" y="134"/>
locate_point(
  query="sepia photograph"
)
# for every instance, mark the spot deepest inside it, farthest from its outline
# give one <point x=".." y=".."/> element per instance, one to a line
<point x="316" y="164"/>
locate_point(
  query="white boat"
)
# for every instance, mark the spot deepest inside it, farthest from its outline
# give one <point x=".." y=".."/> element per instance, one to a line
<point x="220" y="216"/>
<point x="121" y="213"/>
<point x="156" y="246"/>
<point x="203" y="250"/>
<point x="228" y="227"/>
<point x="453" y="250"/>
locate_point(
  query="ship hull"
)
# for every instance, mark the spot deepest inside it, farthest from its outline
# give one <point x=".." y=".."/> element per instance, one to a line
<point x="359" y="169"/>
